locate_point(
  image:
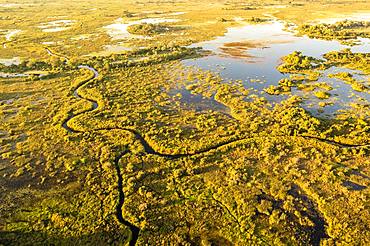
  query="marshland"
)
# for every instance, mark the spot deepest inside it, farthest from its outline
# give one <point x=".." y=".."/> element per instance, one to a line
<point x="184" y="122"/>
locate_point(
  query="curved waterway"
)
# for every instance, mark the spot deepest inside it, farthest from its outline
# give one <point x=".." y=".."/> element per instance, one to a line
<point x="254" y="51"/>
<point x="150" y="150"/>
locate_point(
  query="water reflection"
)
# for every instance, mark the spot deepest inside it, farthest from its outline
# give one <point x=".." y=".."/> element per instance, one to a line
<point x="197" y="102"/>
<point x="254" y="51"/>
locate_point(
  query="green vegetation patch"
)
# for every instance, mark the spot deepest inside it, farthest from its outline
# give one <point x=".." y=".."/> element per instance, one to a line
<point x="298" y="64"/>
<point x="343" y="30"/>
<point x="147" y="29"/>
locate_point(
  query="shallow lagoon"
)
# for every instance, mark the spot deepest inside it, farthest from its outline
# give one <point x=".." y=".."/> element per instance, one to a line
<point x="254" y="51"/>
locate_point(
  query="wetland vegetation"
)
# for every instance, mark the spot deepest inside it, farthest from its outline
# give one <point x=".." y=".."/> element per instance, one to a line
<point x="214" y="123"/>
<point x="342" y="30"/>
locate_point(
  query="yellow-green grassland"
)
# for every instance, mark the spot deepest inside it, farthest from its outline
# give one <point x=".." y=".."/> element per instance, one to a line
<point x="182" y="122"/>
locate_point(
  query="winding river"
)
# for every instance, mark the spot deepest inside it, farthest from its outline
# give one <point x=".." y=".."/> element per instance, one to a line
<point x="149" y="150"/>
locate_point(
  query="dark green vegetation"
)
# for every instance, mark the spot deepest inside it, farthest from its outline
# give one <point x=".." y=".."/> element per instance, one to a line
<point x="147" y="29"/>
<point x="257" y="20"/>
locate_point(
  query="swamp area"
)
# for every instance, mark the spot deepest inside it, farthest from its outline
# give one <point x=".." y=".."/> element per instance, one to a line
<point x="137" y="122"/>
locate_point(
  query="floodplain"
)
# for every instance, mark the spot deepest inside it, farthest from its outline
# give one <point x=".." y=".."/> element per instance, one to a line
<point x="184" y="122"/>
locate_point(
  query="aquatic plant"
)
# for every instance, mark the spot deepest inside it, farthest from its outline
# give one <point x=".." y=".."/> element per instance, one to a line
<point x="322" y="94"/>
<point x="342" y="30"/>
